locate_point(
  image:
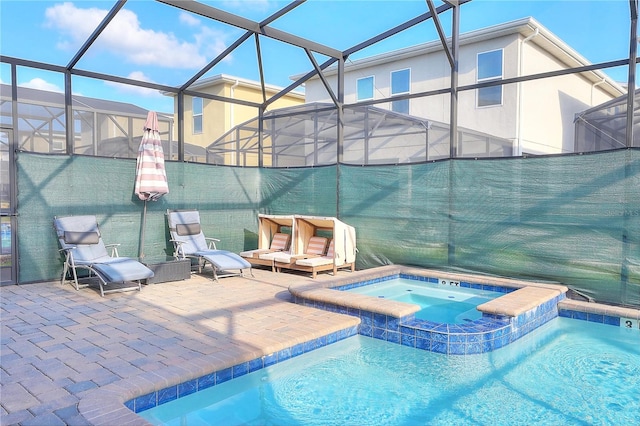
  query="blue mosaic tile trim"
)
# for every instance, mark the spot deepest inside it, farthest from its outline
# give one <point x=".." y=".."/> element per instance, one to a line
<point x="464" y="284"/>
<point x="593" y="317"/>
<point x="431" y="280"/>
<point x="153" y="399"/>
<point x="482" y="335"/>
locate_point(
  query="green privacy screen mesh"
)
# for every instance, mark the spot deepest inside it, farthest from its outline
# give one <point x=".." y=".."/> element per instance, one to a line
<point x="568" y="219"/>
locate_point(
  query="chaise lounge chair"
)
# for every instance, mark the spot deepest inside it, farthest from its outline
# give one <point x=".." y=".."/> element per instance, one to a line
<point x="328" y="262"/>
<point x="274" y="236"/>
<point x="81" y="242"/>
<point x="279" y="243"/>
<point x="189" y="242"/>
<point x="316" y="248"/>
<point x="341" y="252"/>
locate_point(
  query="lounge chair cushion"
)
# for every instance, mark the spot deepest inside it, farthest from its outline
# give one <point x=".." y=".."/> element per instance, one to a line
<point x="71" y="237"/>
<point x="319" y="261"/>
<point x="316" y="246"/>
<point x="331" y="249"/>
<point x="274" y="255"/>
<point x="255" y="252"/>
<point x="315" y="261"/>
<point x="188" y="229"/>
<point x="122" y="269"/>
<point x="280" y="242"/>
<point x="224" y="259"/>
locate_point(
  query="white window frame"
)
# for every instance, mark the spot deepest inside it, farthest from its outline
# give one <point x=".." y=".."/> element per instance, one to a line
<point x="491" y="78"/>
<point x="400" y="93"/>
<point x="373" y="88"/>
<point x="199" y="115"/>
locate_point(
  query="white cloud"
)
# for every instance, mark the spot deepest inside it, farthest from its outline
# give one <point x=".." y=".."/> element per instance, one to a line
<point x="213" y="42"/>
<point x="136" y="90"/>
<point x="40" y="84"/>
<point x="125" y="37"/>
<point x="189" y="20"/>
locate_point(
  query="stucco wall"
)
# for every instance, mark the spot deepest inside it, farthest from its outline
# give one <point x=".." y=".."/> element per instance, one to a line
<point x="540" y="112"/>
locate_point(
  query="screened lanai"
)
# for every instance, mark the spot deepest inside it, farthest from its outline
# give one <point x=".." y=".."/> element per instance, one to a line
<point x="443" y="131"/>
<point x="604" y="126"/>
<point x="306" y="136"/>
<point x="101" y="128"/>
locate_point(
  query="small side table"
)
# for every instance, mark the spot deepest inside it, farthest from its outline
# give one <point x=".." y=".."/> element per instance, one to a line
<point x="167" y="268"/>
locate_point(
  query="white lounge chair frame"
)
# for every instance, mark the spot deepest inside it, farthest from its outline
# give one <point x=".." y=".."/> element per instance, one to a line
<point x="192" y="244"/>
<point x="83" y="248"/>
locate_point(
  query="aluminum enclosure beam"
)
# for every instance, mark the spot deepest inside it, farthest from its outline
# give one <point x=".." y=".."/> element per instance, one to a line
<point x="322" y="78"/>
<point x="443" y="37"/>
<point x="96" y="33"/>
<point x="237" y="43"/>
<point x="633" y="53"/>
<point x="395" y="30"/>
<point x="249" y="25"/>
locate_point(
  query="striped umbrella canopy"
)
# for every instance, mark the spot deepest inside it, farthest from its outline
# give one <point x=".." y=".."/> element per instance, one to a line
<point x="151" y="178"/>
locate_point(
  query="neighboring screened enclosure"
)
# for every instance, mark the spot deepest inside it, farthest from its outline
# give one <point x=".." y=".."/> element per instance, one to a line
<point x="604" y="126"/>
<point x="306" y="135"/>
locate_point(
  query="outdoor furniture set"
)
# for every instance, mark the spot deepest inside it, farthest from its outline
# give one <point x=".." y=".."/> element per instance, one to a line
<point x="87" y="257"/>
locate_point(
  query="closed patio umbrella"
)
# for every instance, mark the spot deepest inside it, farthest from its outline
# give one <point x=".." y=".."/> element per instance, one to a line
<point x="151" y="178"/>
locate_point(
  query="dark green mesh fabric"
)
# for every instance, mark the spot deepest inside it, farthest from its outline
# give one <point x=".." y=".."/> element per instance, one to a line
<point x="48" y="186"/>
<point x="309" y="191"/>
<point x="568" y="219"/>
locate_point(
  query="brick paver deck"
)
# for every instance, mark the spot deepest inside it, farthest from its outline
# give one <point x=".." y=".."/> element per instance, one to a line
<point x="71" y="357"/>
<point x="59" y="345"/>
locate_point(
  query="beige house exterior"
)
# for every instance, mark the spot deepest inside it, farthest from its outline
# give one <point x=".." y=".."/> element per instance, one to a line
<point x="536" y="115"/>
<point x="218" y="117"/>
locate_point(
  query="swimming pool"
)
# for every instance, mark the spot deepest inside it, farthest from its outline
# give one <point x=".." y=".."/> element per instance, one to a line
<point x="439" y="303"/>
<point x="565" y="372"/>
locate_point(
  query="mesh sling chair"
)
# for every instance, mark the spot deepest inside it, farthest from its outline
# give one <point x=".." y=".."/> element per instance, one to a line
<point x="81" y="242"/>
<point x="189" y="242"/>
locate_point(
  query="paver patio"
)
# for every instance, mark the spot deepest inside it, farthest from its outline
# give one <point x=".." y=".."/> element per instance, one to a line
<point x="60" y="345"/>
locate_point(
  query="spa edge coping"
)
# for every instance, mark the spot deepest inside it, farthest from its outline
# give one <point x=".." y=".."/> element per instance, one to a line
<point x="537" y="292"/>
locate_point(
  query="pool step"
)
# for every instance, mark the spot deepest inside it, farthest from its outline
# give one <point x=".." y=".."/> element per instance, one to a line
<point x="520" y="301"/>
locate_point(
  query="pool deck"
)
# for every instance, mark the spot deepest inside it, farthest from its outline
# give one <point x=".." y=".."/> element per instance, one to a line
<point x="64" y="350"/>
<point x="72" y="357"/>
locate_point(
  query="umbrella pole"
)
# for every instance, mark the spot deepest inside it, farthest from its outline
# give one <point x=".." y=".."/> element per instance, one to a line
<point x="144" y="225"/>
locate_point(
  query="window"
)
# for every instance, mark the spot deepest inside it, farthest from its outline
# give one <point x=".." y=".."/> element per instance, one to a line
<point x="197" y="115"/>
<point x="400" y="84"/>
<point x="365" y="88"/>
<point x="490" y="69"/>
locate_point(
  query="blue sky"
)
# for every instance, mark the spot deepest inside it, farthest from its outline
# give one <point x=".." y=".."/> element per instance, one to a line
<point x="154" y="42"/>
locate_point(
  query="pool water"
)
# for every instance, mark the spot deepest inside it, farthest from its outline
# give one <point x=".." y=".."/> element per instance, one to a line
<point x="567" y="372"/>
<point x="439" y="303"/>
